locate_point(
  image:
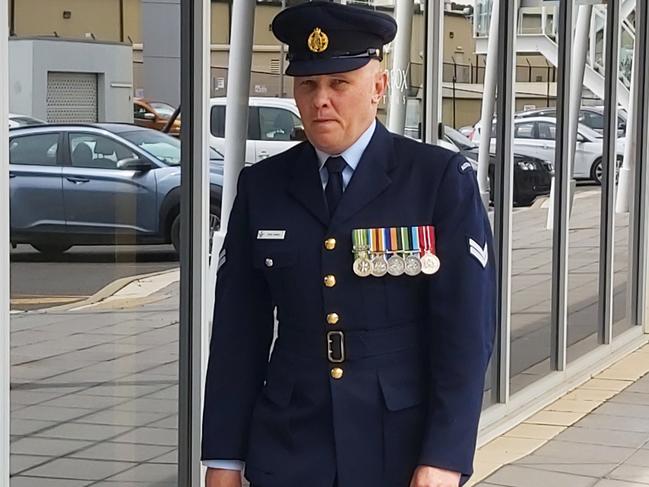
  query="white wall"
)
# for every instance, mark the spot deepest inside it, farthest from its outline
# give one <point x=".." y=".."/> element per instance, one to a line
<point x="30" y="60"/>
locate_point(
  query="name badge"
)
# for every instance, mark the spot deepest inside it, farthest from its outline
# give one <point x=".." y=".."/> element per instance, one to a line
<point x="271" y="234"/>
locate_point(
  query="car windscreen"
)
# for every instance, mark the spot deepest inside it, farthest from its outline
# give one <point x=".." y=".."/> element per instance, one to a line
<point x="26" y="121"/>
<point x="161" y="146"/>
<point x="163" y="110"/>
<point x="458" y="138"/>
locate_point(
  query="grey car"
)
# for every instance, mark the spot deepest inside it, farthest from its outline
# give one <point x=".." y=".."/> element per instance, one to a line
<point x="98" y="184"/>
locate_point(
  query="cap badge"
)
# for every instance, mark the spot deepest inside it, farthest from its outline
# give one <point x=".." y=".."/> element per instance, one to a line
<point x="318" y="41"/>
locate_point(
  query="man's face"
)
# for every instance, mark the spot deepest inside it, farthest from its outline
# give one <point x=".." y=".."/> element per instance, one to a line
<point x="337" y="108"/>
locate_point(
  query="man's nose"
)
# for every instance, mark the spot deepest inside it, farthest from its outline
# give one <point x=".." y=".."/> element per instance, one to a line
<point x="321" y="98"/>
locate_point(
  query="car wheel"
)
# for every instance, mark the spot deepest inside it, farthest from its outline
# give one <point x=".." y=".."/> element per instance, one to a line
<point x="597" y="171"/>
<point x="50" y="249"/>
<point x="215" y="224"/>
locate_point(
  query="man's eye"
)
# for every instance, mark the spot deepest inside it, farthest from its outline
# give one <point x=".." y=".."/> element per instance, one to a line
<point x="339" y="82"/>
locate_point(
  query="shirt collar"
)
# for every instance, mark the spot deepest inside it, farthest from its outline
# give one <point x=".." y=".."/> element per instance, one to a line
<point x="354" y="153"/>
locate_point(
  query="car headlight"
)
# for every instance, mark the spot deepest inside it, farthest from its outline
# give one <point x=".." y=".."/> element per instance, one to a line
<point x="527" y="165"/>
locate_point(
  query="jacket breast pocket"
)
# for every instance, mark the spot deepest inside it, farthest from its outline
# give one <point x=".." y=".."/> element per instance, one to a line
<point x="278" y="266"/>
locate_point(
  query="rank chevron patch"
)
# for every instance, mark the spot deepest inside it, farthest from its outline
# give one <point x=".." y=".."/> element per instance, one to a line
<point x="480" y="253"/>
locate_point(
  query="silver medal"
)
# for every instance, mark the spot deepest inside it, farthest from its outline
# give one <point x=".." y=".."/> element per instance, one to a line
<point x="396" y="265"/>
<point x="379" y="266"/>
<point x="429" y="263"/>
<point x="412" y="264"/>
<point x="362" y="266"/>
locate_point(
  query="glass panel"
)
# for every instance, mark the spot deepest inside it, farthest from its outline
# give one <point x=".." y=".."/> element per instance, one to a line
<point x="94" y="275"/>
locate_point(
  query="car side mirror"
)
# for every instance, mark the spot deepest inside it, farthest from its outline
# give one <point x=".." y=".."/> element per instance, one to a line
<point x="149" y="116"/>
<point x="298" y="134"/>
<point x="581" y="138"/>
<point x="133" y="164"/>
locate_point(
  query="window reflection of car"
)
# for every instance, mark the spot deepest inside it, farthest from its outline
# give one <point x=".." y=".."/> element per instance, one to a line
<point x="16" y="120"/>
<point x="154" y="115"/>
<point x="532" y="176"/>
<point x="274" y="125"/>
<point x="100" y="184"/>
<point x="536" y="136"/>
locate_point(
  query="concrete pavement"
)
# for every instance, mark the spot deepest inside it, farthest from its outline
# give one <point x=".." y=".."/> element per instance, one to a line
<point x="595" y="436"/>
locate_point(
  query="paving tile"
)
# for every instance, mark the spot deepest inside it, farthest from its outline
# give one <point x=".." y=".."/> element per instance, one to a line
<point x="23" y="481"/>
<point x="619" y="423"/>
<point x="627" y="410"/>
<point x="170" y="422"/>
<point x="18" y="463"/>
<point x="148" y="472"/>
<point x="121" y="483"/>
<point x="617" y="483"/>
<point x="630" y="397"/>
<point x="514" y="476"/>
<point x="631" y="473"/>
<point x="150" y="405"/>
<point x="537" y="431"/>
<point x="560" y="464"/>
<point x="50" y="413"/>
<point x="639" y="458"/>
<point x="149" y="436"/>
<point x="590" y="394"/>
<point x="606" y="385"/>
<point x="127" y="452"/>
<point x="46" y="446"/>
<point x="557" y="418"/>
<point x="606" y="437"/>
<point x="122" y="418"/>
<point x="73" y="468"/>
<point x="79" y="431"/>
<point x="584" y="452"/>
<point x="22" y="427"/>
<point x="171" y="457"/>
<point x="85" y="401"/>
<point x="573" y="405"/>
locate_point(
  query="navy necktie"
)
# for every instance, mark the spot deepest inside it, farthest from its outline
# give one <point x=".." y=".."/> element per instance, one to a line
<point x="334" y="188"/>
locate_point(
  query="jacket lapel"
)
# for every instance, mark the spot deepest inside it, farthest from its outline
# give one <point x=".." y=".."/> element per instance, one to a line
<point x="306" y="186"/>
<point x="370" y="178"/>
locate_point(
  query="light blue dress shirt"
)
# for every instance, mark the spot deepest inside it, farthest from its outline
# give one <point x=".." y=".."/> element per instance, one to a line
<point x="352" y="157"/>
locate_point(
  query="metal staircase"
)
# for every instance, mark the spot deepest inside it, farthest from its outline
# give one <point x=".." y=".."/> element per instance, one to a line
<point x="537" y="34"/>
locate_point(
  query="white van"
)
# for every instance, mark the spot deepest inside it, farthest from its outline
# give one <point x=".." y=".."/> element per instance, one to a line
<point x="274" y="125"/>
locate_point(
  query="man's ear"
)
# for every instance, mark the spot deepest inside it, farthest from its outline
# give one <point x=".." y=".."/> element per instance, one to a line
<point x="381" y="84"/>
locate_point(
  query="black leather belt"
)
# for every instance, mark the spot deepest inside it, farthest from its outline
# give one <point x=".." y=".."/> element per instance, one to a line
<point x="343" y="345"/>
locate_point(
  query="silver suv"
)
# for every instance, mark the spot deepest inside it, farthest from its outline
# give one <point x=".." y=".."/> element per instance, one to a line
<point x="98" y="184"/>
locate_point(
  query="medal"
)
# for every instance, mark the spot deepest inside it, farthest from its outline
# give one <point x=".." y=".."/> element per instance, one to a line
<point x="360" y="245"/>
<point x="379" y="265"/>
<point x="429" y="261"/>
<point x="396" y="265"/>
<point x="412" y="264"/>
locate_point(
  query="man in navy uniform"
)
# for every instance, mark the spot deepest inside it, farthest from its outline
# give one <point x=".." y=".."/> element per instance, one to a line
<point x="374" y="254"/>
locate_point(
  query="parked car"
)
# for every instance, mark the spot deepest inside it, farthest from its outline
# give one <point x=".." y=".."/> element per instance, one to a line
<point x="535" y="136"/>
<point x="23" y="121"/>
<point x="154" y="115"/>
<point x="532" y="176"/>
<point x="274" y="125"/>
<point x="98" y="184"/>
<point x="591" y="117"/>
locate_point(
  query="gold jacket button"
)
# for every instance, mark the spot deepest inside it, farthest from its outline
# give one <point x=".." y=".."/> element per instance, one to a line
<point x="337" y="373"/>
<point x="330" y="244"/>
<point x="330" y="280"/>
<point x="332" y="318"/>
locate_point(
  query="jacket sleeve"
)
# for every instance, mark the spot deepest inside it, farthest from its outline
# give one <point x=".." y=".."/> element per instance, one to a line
<point x="462" y="320"/>
<point x="242" y="333"/>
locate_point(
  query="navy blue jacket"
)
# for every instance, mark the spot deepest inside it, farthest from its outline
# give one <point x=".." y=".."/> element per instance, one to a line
<point x="417" y="347"/>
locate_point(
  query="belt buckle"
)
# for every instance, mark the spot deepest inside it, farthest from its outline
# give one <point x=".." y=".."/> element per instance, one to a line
<point x="336" y="338"/>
